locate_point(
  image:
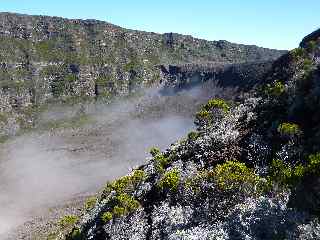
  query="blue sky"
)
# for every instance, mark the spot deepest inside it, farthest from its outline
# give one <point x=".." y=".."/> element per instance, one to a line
<point x="277" y="24"/>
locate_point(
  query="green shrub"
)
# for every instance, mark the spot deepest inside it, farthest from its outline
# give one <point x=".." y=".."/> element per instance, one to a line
<point x="75" y="235"/>
<point x="106" y="217"/>
<point x="280" y="172"/>
<point x="103" y="80"/>
<point x="230" y="176"/>
<point x="161" y="162"/>
<point x="137" y="177"/>
<point x="275" y="89"/>
<point x="202" y="117"/>
<point x="90" y="203"/>
<point x="194" y="183"/>
<point x="289" y="129"/>
<point x="297" y="53"/>
<point x="126" y="183"/>
<point x="284" y="175"/>
<point x="307" y="65"/>
<point x="313" y="166"/>
<point x="234" y="175"/>
<point x="46" y="50"/>
<point x="154" y="151"/>
<point x="193" y="135"/>
<point x="311" y="46"/>
<point x="68" y="221"/>
<point x="206" y="115"/>
<point x="125" y="204"/>
<point x="289" y="176"/>
<point x="170" y="181"/>
<point x="128" y="202"/>
<point x="217" y="103"/>
<point x="118" y="211"/>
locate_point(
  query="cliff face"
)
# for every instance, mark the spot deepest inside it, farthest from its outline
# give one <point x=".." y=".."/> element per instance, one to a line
<point x="250" y="171"/>
<point x="243" y="76"/>
<point x="50" y="58"/>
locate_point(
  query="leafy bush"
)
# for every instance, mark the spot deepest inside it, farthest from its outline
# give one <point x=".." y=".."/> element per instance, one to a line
<point x="118" y="211"/>
<point x="289" y="129"/>
<point x="90" y="202"/>
<point x="284" y="175"/>
<point x="70" y="78"/>
<point x="154" y="151"/>
<point x="217" y="103"/>
<point x="137" y="177"/>
<point x="170" y="181"/>
<point x="133" y="64"/>
<point x="121" y="203"/>
<point x="68" y="221"/>
<point x="275" y="89"/>
<point x="74" y="235"/>
<point x="211" y="110"/>
<point x="313" y="166"/>
<point x="125" y="204"/>
<point x="193" y="135"/>
<point x="297" y="53"/>
<point x="234" y="175"/>
<point x="194" y="183"/>
<point x="125" y="184"/>
<point x="106" y="217"/>
<point x="202" y="117"/>
<point x="161" y="162"/>
<point x="307" y="65"/>
<point x="230" y="176"/>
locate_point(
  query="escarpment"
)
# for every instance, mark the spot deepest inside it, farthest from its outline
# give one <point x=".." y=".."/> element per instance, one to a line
<point x="243" y="76"/>
<point x="45" y="59"/>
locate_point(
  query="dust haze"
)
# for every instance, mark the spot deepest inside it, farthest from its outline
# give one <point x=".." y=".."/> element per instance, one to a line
<point x="94" y="143"/>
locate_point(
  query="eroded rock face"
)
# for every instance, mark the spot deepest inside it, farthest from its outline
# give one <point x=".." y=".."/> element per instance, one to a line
<point x="241" y="75"/>
<point x="50" y="58"/>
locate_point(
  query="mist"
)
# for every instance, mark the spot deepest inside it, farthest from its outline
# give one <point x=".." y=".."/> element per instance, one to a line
<point x="52" y="165"/>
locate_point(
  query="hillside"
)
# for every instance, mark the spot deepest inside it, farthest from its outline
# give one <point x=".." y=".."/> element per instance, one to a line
<point x="250" y="171"/>
<point x="47" y="59"/>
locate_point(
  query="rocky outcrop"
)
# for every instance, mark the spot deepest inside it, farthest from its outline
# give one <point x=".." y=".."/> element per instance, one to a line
<point x="243" y="76"/>
<point x="314" y="36"/>
<point x="44" y="59"/>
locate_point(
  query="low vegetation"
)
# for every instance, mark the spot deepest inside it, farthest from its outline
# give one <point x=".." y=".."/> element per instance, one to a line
<point x="215" y="108"/>
<point x="276" y="89"/>
<point x="170" y="181"/>
<point x="68" y="221"/>
<point x="289" y="129"/>
<point x="90" y="203"/>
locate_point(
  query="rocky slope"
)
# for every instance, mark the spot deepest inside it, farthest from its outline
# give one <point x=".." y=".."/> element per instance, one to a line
<point x="43" y="59"/>
<point x="250" y="171"/>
